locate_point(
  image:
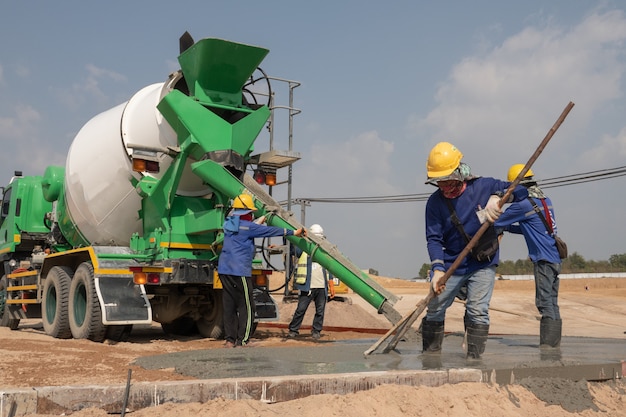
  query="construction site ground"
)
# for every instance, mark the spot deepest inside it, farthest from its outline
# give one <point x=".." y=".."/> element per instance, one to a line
<point x="191" y="369"/>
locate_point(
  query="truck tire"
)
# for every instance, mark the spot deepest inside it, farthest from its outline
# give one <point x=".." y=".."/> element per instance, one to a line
<point x="211" y="324"/>
<point x="85" y="313"/>
<point x="210" y="329"/>
<point x="54" y="306"/>
<point x="118" y="333"/>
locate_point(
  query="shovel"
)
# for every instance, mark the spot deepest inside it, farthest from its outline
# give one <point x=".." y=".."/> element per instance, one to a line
<point x="398" y="330"/>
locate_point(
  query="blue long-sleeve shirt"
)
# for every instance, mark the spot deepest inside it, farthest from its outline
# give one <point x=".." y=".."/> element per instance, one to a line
<point x="521" y="218"/>
<point x="443" y="240"/>
<point x="238" y="249"/>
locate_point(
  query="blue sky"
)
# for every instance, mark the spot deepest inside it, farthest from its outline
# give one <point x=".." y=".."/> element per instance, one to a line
<point x="381" y="84"/>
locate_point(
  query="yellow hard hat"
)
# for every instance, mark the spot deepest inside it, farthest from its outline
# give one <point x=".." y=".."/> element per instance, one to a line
<point x="443" y="159"/>
<point x="515" y="170"/>
<point x="244" y="201"/>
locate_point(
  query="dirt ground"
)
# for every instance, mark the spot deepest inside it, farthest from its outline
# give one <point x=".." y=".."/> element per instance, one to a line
<point x="589" y="307"/>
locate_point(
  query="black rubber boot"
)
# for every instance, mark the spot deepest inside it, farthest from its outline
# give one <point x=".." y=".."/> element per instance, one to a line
<point x="476" y="339"/>
<point x="432" y="336"/>
<point x="550" y="332"/>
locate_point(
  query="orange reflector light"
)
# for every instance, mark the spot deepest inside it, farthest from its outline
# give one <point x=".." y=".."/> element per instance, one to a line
<point x="261" y="280"/>
<point x="143" y="165"/>
<point x="140" y="278"/>
<point x="139" y="165"/>
<point x="270" y="178"/>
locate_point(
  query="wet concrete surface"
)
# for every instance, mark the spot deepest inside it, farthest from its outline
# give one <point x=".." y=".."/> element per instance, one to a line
<point x="507" y="358"/>
<point x="296" y="370"/>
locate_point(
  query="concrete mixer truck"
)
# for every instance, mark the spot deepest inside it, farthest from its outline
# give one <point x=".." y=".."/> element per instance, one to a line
<point x="129" y="231"/>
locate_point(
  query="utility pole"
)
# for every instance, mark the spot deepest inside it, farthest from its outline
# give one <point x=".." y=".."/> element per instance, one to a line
<point x="303" y="205"/>
<point x="288" y="267"/>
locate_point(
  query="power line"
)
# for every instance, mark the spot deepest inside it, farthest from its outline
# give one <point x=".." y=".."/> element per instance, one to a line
<point x="562" y="181"/>
<point x="591" y="176"/>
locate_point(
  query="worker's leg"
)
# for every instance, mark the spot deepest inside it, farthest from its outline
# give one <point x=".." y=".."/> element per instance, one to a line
<point x="479" y="291"/>
<point x="246" y="311"/>
<point x="319" y="298"/>
<point x="547" y="289"/>
<point x="438" y="305"/>
<point x="433" y="323"/>
<point x="229" y="300"/>
<point x="550" y="332"/>
<point x="477" y="335"/>
<point x="304" y="299"/>
<point x="432" y="336"/>
<point x="546" y="300"/>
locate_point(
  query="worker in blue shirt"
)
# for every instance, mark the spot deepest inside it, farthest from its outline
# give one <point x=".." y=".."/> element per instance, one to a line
<point x="454" y="213"/>
<point x="235" y="268"/>
<point x="523" y="217"/>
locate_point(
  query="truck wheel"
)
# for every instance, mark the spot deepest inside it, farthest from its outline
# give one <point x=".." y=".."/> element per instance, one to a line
<point x="85" y="312"/>
<point x="54" y="306"/>
<point x="119" y="333"/>
<point x="211" y="324"/>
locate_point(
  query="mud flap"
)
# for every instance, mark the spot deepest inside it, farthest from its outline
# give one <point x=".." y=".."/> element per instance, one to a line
<point x="122" y="301"/>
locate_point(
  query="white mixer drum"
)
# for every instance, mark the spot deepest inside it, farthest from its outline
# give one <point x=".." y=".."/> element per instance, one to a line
<point x="99" y="193"/>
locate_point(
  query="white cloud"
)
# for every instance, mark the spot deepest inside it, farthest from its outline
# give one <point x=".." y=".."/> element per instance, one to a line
<point x="609" y="152"/>
<point x="92" y="87"/>
<point x="100" y="73"/>
<point x="499" y="105"/>
<point x="516" y="91"/>
<point x="20" y="125"/>
<point x="23" y="147"/>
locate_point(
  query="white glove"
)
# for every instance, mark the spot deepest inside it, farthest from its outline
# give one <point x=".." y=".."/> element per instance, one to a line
<point x="492" y="210"/>
<point x="435" y="280"/>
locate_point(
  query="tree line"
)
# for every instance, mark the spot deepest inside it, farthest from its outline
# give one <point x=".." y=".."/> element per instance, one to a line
<point x="574" y="263"/>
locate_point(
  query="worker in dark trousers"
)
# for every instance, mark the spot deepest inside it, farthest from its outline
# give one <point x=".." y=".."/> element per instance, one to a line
<point x="534" y="218"/>
<point x="314" y="283"/>
<point x="235" y="268"/>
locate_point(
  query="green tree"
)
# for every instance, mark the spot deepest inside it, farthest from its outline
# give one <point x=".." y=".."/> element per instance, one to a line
<point x="576" y="263"/>
<point x="523" y="267"/>
<point x="618" y="261"/>
<point x="506" y="268"/>
<point x="424" y="270"/>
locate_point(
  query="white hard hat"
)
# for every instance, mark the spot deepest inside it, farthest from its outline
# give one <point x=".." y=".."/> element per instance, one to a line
<point x="317" y="230"/>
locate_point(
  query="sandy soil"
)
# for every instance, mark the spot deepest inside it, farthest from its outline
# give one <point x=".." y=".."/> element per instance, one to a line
<point x="593" y="307"/>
